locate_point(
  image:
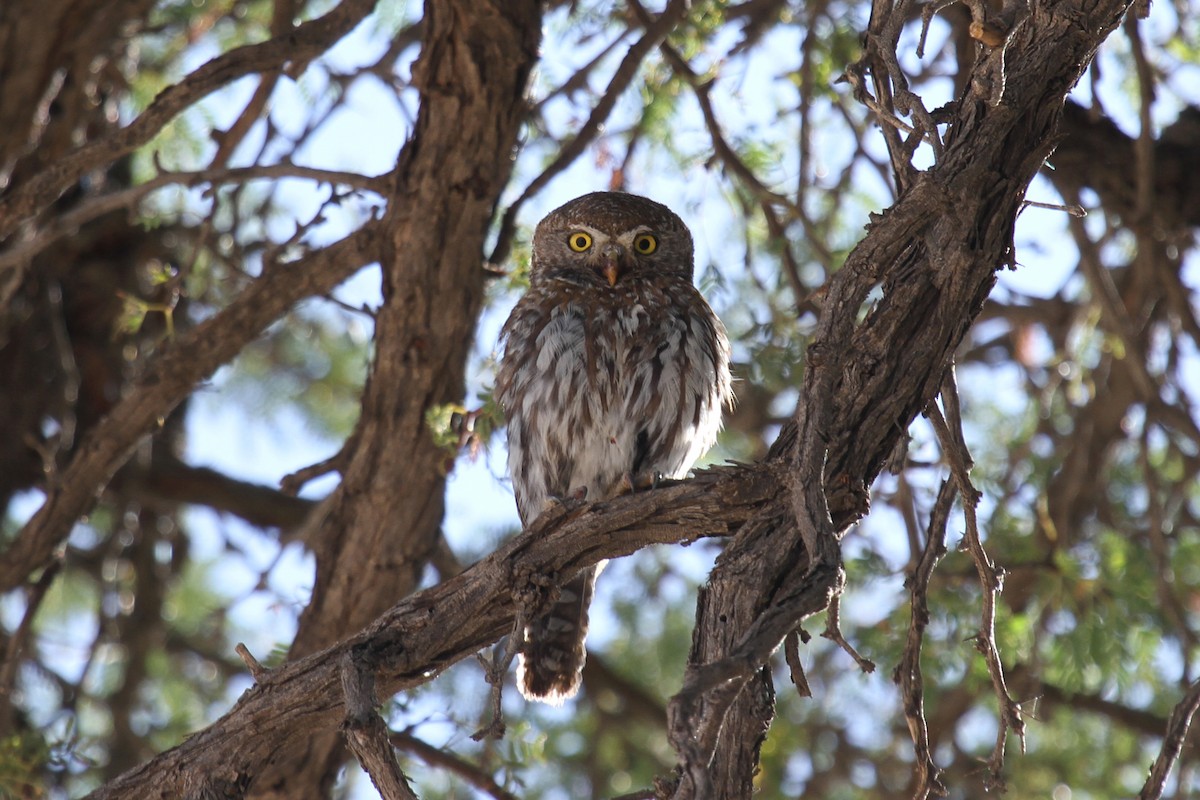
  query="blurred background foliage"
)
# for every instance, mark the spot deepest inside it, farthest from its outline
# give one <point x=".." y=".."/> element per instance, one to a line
<point x="1081" y="414"/>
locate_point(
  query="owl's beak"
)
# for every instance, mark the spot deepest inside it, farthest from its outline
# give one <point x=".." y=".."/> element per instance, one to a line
<point x="612" y="265"/>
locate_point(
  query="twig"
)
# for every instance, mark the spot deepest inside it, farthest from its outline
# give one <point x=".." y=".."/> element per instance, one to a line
<point x="991" y="577"/>
<point x="257" y="670"/>
<point x="1176" y="735"/>
<point x="833" y="632"/>
<point x="494" y="673"/>
<point x="529" y="602"/>
<point x="1074" y="209"/>
<point x="908" y="673"/>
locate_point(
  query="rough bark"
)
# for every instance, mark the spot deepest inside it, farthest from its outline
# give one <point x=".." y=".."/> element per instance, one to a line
<point x="384" y="523"/>
<point x="416" y="639"/>
<point x="936" y="253"/>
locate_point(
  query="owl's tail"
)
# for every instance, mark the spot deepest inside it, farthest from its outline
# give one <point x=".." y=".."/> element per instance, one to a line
<point x="551" y="660"/>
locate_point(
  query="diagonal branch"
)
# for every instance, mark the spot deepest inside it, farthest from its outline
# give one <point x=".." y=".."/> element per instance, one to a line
<point x="67" y="223"/>
<point x="169" y="379"/>
<point x="656" y="30"/>
<point x="1173" y="739"/>
<point x="292" y="51"/>
<point x="424" y="634"/>
<point x="934" y="254"/>
<point x="908" y="675"/>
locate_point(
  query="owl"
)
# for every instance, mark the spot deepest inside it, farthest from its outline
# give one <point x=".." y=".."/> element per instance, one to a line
<point x="614" y="374"/>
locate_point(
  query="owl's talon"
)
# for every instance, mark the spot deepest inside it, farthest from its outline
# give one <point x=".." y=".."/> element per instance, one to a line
<point x="629" y="483"/>
<point x="577" y="496"/>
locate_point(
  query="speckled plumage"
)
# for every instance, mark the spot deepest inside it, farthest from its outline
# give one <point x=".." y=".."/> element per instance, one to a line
<point x="614" y="368"/>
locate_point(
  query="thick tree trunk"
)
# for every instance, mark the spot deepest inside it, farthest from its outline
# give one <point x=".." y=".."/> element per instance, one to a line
<point x="386" y="517"/>
<point x="936" y="254"/>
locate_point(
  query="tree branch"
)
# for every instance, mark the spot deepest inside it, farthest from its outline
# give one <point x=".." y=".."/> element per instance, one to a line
<point x="166" y="382"/>
<point x="1173" y="739"/>
<point x="292" y="51"/>
<point x="92" y="208"/>
<point x="935" y="253"/>
<point x="424" y="634"/>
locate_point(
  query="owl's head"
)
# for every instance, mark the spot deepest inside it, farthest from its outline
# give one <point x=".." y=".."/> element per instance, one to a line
<point x="605" y="238"/>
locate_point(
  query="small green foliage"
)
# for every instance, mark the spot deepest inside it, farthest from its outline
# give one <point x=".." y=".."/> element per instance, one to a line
<point x="134" y="311"/>
<point x="23" y="759"/>
<point x="444" y="422"/>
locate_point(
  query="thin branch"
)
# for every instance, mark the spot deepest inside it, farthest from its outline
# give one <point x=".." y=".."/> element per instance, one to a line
<point x="69" y="222"/>
<point x="908" y="673"/>
<point x="656" y="31"/>
<point x="1176" y="735"/>
<point x="949" y="431"/>
<point x="833" y="632"/>
<point x="290" y="52"/>
<point x="166" y="382"/>
<point x="282" y="14"/>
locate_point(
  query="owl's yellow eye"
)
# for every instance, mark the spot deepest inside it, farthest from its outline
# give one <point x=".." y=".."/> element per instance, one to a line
<point x="579" y="241"/>
<point x="645" y="244"/>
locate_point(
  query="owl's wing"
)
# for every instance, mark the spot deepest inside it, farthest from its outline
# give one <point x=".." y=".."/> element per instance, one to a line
<point x="679" y="379"/>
